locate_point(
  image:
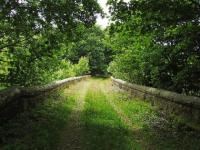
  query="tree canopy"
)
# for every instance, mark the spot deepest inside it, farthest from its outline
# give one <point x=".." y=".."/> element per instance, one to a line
<point x="33" y="34"/>
<point x="158" y="43"/>
<point x="149" y="42"/>
<point x="26" y="18"/>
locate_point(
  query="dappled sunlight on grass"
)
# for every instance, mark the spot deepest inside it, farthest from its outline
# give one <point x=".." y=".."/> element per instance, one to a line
<point x="37" y="129"/>
<point x="94" y="115"/>
<point x="155" y="131"/>
<point x="40" y="128"/>
<point x="104" y="130"/>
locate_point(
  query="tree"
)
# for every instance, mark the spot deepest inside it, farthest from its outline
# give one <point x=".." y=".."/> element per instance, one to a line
<point x="92" y="44"/>
<point x="162" y="43"/>
<point x="33" y="34"/>
<point x="27" y="18"/>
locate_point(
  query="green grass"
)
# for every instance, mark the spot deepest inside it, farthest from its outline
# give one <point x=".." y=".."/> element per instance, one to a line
<point x="155" y="131"/>
<point x="104" y="125"/>
<point x="40" y="128"/>
<point x="104" y="130"/>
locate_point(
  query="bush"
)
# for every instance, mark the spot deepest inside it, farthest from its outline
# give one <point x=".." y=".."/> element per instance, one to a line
<point x="82" y="67"/>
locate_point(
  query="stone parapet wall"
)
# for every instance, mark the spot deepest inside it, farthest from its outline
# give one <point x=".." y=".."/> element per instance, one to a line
<point x="17" y="99"/>
<point x="187" y="107"/>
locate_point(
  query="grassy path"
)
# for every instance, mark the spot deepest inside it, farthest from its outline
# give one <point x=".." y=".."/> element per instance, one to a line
<point x="104" y="130"/>
<point x="94" y="115"/>
<point x="71" y="135"/>
<point x="113" y="120"/>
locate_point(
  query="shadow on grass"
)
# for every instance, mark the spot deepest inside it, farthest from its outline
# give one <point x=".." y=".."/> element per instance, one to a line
<point x="102" y="133"/>
<point x="38" y="129"/>
<point x="102" y="137"/>
<point x="101" y="129"/>
<point x="156" y="131"/>
<point x="105" y="131"/>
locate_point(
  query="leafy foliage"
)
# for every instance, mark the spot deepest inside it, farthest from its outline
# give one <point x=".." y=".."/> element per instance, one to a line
<point x="27" y="18"/>
<point x="93" y="44"/>
<point x="157" y="43"/>
<point x="154" y="43"/>
<point x="33" y="38"/>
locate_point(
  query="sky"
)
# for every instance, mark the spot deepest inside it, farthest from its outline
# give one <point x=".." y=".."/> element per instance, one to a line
<point x="103" y="22"/>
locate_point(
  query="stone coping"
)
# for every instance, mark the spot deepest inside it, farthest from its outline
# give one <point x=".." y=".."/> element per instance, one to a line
<point x="191" y="101"/>
<point x="7" y="95"/>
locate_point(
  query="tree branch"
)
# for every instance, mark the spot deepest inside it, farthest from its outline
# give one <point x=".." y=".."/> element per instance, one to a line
<point x="12" y="44"/>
